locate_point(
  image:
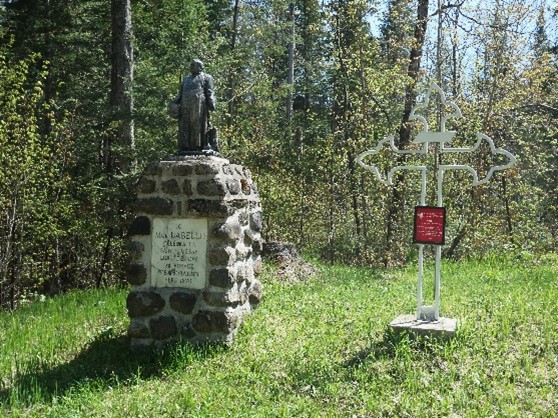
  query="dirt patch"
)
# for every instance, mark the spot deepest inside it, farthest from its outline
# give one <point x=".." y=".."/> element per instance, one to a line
<point x="292" y="268"/>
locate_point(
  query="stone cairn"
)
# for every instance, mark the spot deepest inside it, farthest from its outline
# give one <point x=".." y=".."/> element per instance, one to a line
<point x="202" y="292"/>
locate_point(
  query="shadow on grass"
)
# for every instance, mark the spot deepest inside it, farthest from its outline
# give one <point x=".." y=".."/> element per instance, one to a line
<point x="392" y="343"/>
<point x="105" y="362"/>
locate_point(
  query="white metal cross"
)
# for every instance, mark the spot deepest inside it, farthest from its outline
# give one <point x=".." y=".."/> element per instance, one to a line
<point x="425" y="138"/>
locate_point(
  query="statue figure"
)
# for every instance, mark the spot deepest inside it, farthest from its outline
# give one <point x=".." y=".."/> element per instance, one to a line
<point x="195" y="100"/>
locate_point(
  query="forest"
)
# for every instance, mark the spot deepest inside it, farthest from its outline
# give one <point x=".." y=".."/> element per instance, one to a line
<point x="303" y="87"/>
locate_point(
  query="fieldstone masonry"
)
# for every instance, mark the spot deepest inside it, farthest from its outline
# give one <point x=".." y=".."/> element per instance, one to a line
<point x="194" y="251"/>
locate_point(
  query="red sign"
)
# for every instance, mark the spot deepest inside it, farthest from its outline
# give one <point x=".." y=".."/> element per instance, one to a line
<point x="430" y="225"/>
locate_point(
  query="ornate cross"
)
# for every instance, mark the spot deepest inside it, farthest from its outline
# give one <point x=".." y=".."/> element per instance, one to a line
<point x="430" y="221"/>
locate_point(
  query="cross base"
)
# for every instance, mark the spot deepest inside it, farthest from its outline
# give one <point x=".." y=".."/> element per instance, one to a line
<point x="443" y="328"/>
<point x="427" y="313"/>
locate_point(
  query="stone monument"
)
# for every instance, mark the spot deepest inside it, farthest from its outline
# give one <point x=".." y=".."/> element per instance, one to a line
<point x="195" y="242"/>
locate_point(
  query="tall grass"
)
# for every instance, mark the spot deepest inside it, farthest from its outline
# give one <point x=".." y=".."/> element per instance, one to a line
<point x="319" y="348"/>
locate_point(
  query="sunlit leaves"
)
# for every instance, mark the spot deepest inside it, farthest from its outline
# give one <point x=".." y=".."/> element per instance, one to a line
<point x="34" y="153"/>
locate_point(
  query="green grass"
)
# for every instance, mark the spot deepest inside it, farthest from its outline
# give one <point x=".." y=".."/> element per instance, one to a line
<point x="316" y="349"/>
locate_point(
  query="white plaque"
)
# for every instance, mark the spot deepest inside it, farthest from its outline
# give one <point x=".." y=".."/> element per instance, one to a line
<point x="178" y="252"/>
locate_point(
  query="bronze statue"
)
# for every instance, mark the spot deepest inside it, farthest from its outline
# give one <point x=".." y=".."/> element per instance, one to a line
<point x="195" y="100"/>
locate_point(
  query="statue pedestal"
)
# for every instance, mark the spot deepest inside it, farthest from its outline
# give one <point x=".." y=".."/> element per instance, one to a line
<point x="194" y="251"/>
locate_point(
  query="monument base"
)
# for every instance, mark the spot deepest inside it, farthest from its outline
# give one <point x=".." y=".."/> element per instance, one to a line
<point x="442" y="328"/>
<point x="194" y="251"/>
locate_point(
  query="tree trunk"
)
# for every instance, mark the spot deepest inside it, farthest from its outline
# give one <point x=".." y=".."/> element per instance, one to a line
<point x="507" y="206"/>
<point x="397" y="198"/>
<point x="454" y="55"/>
<point x="232" y="70"/>
<point x="118" y="143"/>
<point x="122" y="74"/>
<point x="413" y="72"/>
<point x="290" y="72"/>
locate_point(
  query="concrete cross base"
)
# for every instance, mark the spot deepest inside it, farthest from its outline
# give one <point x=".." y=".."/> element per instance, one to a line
<point x="442" y="328"/>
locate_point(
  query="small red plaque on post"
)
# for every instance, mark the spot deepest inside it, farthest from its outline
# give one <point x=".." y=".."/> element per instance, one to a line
<point x="430" y="225"/>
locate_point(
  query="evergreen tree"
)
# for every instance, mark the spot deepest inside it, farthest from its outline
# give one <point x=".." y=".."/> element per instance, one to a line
<point x="396" y="31"/>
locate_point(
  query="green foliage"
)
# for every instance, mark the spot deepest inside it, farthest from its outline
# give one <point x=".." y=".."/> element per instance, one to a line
<point x="348" y="94"/>
<point x="34" y="159"/>
<point x="396" y="31"/>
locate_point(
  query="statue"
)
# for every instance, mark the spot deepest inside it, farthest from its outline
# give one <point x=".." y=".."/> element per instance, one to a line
<point x="195" y="100"/>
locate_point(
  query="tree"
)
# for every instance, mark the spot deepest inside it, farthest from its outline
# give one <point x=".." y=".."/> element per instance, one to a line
<point x="394" y="252"/>
<point x="396" y="31"/>
<point x="122" y="77"/>
<point x="33" y="194"/>
<point x="303" y="87"/>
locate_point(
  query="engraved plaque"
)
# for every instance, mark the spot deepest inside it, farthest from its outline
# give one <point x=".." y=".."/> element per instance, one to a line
<point x="178" y="253"/>
<point x="430" y="225"/>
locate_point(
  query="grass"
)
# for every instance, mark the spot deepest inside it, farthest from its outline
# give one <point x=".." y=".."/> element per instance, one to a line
<point x="316" y="349"/>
